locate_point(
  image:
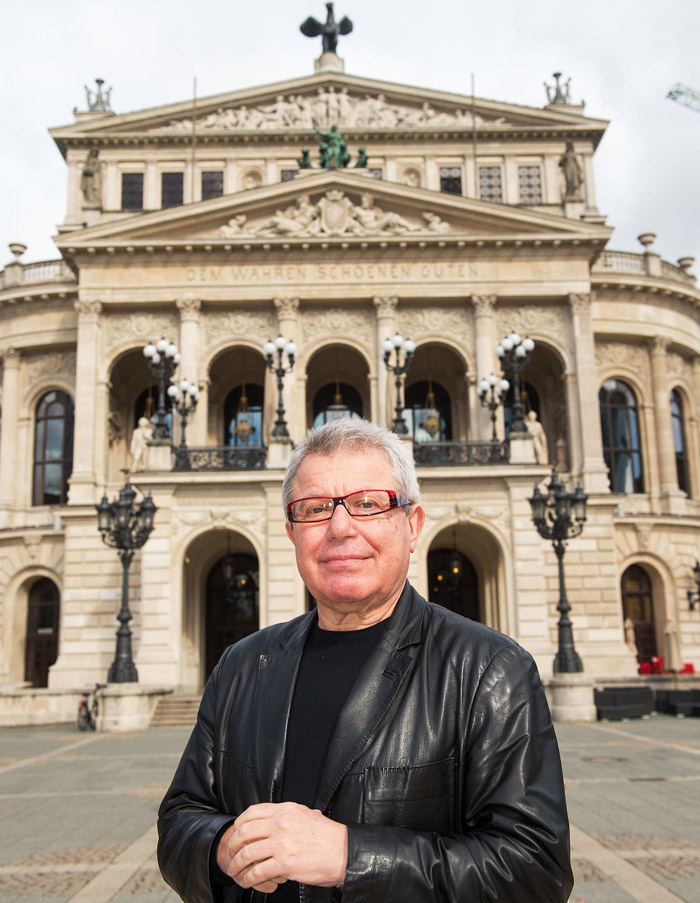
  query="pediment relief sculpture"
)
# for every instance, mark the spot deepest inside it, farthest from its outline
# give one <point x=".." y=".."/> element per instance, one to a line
<point x="335" y="214"/>
<point x="331" y="107"/>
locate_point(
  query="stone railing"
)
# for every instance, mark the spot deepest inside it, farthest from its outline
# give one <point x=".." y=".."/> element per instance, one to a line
<point x="619" y="260"/>
<point x="457" y="454"/>
<point x="650" y="265"/>
<point x="17" y="273"/>
<point x="223" y="457"/>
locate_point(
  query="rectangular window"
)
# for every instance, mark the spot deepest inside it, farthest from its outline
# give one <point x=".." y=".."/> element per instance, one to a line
<point x="530" y="179"/>
<point x="171" y="189"/>
<point x="212" y="185"/>
<point x="451" y="179"/>
<point x="376" y="173"/>
<point x="490" y="188"/>
<point x="289" y="174"/>
<point x="132" y="191"/>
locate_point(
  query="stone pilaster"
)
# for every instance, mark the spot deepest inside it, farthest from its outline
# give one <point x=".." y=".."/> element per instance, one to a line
<point x="189" y="309"/>
<point x="593" y="470"/>
<point x="82" y="489"/>
<point x="8" y="438"/>
<point x="385" y="307"/>
<point x="484" y="355"/>
<point x="294" y="405"/>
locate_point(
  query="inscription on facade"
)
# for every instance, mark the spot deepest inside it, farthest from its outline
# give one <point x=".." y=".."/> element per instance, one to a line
<point x="321" y="272"/>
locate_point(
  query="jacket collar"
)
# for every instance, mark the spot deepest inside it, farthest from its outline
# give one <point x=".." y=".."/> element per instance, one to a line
<point x="378" y="684"/>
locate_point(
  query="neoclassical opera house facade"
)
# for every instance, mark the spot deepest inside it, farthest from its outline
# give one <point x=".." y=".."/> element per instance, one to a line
<point x="206" y="227"/>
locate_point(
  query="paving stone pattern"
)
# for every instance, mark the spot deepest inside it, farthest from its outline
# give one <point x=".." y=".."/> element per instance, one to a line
<point x="78" y="812"/>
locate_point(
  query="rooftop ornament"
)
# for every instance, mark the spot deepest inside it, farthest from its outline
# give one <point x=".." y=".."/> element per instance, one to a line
<point x="98" y="101"/>
<point x="329" y="31"/>
<point x="558" y="93"/>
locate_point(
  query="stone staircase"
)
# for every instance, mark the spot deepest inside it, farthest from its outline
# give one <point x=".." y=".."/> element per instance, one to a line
<point x="176" y="711"/>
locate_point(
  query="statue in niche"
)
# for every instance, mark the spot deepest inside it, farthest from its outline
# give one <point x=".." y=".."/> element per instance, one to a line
<point x="539" y="440"/>
<point x="139" y="444"/>
<point x="91" y="180"/>
<point x="329" y="30"/>
<point x="573" y="174"/>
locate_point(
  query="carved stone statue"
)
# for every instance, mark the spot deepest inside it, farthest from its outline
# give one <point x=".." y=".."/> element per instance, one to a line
<point x="234" y="227"/>
<point x="302" y="219"/>
<point x="139" y="444"/>
<point x="91" y="180"/>
<point x="435" y="224"/>
<point x="329" y="31"/>
<point x="334" y="151"/>
<point x="539" y="440"/>
<point x="373" y="220"/>
<point x="573" y="174"/>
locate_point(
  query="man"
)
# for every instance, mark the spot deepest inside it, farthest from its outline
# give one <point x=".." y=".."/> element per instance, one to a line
<point x="377" y="748"/>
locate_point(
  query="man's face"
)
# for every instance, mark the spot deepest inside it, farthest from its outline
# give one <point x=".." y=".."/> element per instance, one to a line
<point x="353" y="563"/>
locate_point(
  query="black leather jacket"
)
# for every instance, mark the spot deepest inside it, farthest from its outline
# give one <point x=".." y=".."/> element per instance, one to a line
<point x="443" y="765"/>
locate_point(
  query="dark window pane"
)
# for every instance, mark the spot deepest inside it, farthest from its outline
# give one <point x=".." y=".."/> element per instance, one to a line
<point x="619" y="422"/>
<point x="132" y="191"/>
<point x="54" y="440"/>
<point x="212" y="185"/>
<point x="679" y="443"/>
<point x="171" y="189"/>
<point x="53" y="449"/>
<point x="451" y="179"/>
<point x="289" y="174"/>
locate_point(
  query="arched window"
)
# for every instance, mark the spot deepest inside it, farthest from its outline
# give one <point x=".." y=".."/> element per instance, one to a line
<point x="243" y="415"/>
<point x="529" y="399"/>
<point x="53" y="449"/>
<point x="147" y="405"/>
<point x="453" y="583"/>
<point x="335" y="401"/>
<point x="232" y="604"/>
<point x="619" y="423"/>
<point x="679" y="443"/>
<point x="428" y="412"/>
<point x="638" y="612"/>
<point x="41" y="644"/>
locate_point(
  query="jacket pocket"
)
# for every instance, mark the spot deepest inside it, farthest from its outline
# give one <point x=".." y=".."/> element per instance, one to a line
<point x="420" y="797"/>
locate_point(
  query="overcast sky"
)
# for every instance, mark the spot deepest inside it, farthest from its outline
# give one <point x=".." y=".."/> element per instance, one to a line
<point x="622" y="57"/>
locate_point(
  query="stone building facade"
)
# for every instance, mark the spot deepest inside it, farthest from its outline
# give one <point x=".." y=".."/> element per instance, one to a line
<point x="472" y="219"/>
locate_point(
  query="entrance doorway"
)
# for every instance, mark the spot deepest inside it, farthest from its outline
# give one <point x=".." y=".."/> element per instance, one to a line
<point x="41" y="645"/>
<point x="232" y="604"/>
<point x="453" y="582"/>
<point x="638" y="610"/>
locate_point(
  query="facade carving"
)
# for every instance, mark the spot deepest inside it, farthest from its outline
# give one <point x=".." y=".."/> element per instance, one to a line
<point x="622" y="354"/>
<point x="189" y="309"/>
<point x="120" y="329"/>
<point x="88" y="310"/>
<point x="484" y="305"/>
<point x="286" y="307"/>
<point x="220" y="326"/>
<point x="452" y="323"/>
<point x="60" y="365"/>
<point x="533" y="320"/>
<point x="385" y="306"/>
<point x="331" y="107"/>
<point x="337" y="322"/>
<point x="253" y="520"/>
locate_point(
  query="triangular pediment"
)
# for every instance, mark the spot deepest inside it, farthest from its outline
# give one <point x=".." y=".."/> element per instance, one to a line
<point x="339" y="206"/>
<point x="356" y="105"/>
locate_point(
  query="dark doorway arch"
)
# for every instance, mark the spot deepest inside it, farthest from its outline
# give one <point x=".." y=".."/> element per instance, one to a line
<point x="41" y="644"/>
<point x="232" y="604"/>
<point x="638" y="610"/>
<point x="453" y="582"/>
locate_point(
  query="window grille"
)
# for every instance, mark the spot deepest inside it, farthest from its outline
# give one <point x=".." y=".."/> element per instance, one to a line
<point x="530" y="178"/>
<point x="490" y="188"/>
<point x="451" y="179"/>
<point x="212" y="185"/>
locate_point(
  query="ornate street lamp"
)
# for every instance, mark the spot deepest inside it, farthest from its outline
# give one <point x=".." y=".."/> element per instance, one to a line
<point x="185" y="396"/>
<point x="694" y="595"/>
<point x="163" y="358"/>
<point x="559" y="516"/>
<point x="491" y="391"/>
<point x="277" y="349"/>
<point x="514" y="354"/>
<point x="125" y="527"/>
<point x="402" y="348"/>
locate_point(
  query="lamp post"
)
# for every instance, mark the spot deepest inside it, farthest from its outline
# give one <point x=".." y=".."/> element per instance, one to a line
<point x="125" y="527"/>
<point x="274" y="357"/>
<point x="185" y="396"/>
<point x="552" y="515"/>
<point x="403" y="350"/>
<point x="162" y="358"/>
<point x="491" y="392"/>
<point x="514" y="354"/>
<point x="694" y="595"/>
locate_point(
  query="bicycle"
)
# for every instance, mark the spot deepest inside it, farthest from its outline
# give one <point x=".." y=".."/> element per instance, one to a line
<point x="87" y="713"/>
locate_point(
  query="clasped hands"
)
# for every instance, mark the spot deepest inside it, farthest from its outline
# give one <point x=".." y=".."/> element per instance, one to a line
<point x="271" y="843"/>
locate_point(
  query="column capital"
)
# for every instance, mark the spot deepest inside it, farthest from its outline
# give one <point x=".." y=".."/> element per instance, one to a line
<point x="286" y="307"/>
<point x="659" y="344"/>
<point x="88" y="310"/>
<point x="10" y="357"/>
<point x="484" y="304"/>
<point x="385" y="305"/>
<point x="189" y="308"/>
<point x="581" y="302"/>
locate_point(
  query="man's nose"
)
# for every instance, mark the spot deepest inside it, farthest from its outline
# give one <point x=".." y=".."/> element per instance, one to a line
<point x="341" y="520"/>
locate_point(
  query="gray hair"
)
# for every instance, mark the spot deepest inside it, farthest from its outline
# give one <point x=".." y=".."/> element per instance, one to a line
<point x="355" y="436"/>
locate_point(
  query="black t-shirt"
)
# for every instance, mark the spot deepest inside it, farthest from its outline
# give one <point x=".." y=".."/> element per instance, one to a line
<point x="330" y="665"/>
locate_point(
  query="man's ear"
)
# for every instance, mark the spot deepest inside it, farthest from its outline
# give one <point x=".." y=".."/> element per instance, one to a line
<point x="289" y="527"/>
<point x="416" y="519"/>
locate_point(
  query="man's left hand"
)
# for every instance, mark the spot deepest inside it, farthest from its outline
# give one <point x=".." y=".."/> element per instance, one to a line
<point x="277" y="842"/>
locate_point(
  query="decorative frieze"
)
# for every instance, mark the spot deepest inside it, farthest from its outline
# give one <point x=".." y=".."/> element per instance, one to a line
<point x="138" y="329"/>
<point x="253" y="520"/>
<point x="551" y="322"/>
<point x="449" y="322"/>
<point x="227" y="326"/>
<point x="622" y="354"/>
<point x="339" y="322"/>
<point x="53" y="365"/>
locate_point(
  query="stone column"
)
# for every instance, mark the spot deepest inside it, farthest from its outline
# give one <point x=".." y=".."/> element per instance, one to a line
<point x="386" y="328"/>
<point x="189" y="308"/>
<point x="594" y="473"/>
<point x="671" y="496"/>
<point x="82" y="489"/>
<point x="8" y="439"/>
<point x="484" y="355"/>
<point x="692" y="434"/>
